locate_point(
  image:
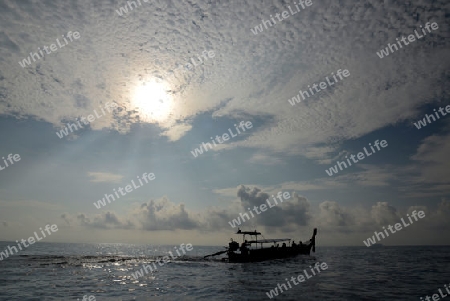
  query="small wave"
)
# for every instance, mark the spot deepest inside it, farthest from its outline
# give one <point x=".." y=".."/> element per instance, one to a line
<point x="45" y="260"/>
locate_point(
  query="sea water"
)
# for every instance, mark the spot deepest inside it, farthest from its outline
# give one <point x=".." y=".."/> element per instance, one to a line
<point x="56" y="271"/>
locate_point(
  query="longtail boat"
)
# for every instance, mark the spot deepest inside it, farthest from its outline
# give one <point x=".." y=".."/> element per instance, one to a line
<point x="250" y="252"/>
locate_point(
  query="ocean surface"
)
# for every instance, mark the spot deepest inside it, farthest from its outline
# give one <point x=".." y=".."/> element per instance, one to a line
<point x="56" y="271"/>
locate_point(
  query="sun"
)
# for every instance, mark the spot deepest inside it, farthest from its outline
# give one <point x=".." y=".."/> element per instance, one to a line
<point x="152" y="100"/>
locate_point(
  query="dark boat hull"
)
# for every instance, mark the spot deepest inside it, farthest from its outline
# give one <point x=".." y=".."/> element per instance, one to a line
<point x="256" y="255"/>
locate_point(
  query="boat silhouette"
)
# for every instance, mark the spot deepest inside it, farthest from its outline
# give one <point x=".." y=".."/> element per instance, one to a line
<point x="250" y="252"/>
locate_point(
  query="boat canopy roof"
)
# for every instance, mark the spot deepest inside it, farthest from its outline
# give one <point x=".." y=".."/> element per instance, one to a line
<point x="267" y="241"/>
<point x="248" y="232"/>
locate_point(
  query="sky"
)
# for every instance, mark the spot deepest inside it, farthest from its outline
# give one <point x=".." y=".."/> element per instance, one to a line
<point x="164" y="78"/>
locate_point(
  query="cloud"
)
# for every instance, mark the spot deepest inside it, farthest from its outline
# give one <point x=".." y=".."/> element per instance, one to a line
<point x="320" y="152"/>
<point x="334" y="215"/>
<point x="306" y="48"/>
<point x="384" y="214"/>
<point x="428" y="173"/>
<point x="109" y="218"/>
<point x="66" y="218"/>
<point x="291" y="212"/>
<point x="104" y="177"/>
<point x="103" y="220"/>
<point x="156" y="215"/>
<point x="33" y="204"/>
<point x="265" y="159"/>
<point x="164" y="215"/>
<point x="216" y="219"/>
<point x="177" y="131"/>
<point x="439" y="219"/>
<point x="432" y="157"/>
<point x="336" y="223"/>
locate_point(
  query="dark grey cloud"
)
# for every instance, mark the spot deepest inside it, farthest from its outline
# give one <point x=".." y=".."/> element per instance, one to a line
<point x="291" y="212"/>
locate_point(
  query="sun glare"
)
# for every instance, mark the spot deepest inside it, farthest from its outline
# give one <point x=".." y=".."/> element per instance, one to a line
<point x="153" y="102"/>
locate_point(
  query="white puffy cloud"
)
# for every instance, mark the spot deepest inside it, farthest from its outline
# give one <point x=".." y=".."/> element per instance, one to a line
<point x="242" y="77"/>
<point x="337" y="223"/>
<point x="104" y="177"/>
